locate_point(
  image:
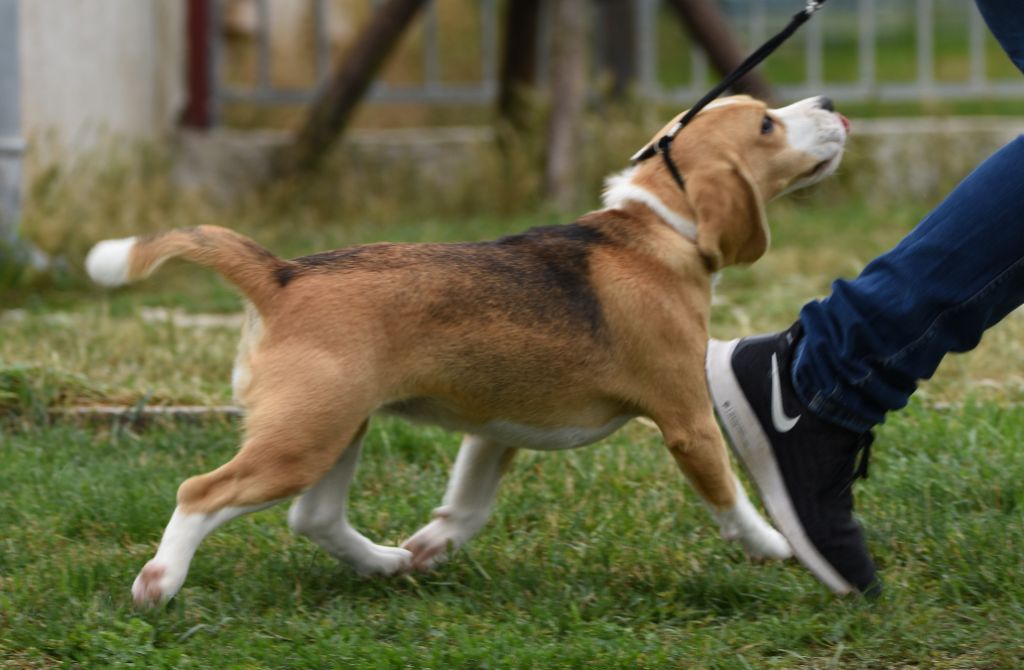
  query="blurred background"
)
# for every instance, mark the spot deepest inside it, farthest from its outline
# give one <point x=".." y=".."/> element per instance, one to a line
<point x="314" y="124"/>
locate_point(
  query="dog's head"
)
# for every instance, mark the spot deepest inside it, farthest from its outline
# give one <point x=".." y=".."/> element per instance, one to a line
<point x="735" y="155"/>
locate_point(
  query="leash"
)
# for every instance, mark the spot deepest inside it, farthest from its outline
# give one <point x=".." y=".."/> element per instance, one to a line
<point x="664" y="143"/>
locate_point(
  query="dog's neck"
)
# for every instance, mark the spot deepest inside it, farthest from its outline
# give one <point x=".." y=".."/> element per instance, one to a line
<point x="620" y="189"/>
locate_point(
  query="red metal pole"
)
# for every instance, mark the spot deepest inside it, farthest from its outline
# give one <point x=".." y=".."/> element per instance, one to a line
<point x="197" y="70"/>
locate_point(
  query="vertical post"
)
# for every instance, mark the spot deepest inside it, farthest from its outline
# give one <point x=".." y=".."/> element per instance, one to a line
<point x="977" y="47"/>
<point x="197" y="113"/>
<point x="758" y="21"/>
<point x="646" y="39"/>
<point x="489" y="39"/>
<point x="866" y="46"/>
<point x="12" y="146"/>
<point x="568" y="93"/>
<point x="323" y="46"/>
<point x="815" y="54"/>
<point x="431" y="49"/>
<point x="263" y="45"/>
<point x="519" y="59"/>
<point x="698" y="70"/>
<point x="925" y="46"/>
<point x="619" y="32"/>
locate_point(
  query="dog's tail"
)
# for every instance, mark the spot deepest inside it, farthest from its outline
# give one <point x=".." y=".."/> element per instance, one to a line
<point x="241" y="261"/>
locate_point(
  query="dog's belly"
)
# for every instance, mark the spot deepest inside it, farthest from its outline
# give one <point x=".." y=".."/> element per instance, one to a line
<point x="511" y="433"/>
<point x="545" y="438"/>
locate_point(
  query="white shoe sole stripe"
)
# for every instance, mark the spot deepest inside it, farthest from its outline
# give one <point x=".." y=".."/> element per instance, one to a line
<point x="753" y="449"/>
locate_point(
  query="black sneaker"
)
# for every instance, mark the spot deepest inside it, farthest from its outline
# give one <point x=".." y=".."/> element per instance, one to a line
<point x="803" y="466"/>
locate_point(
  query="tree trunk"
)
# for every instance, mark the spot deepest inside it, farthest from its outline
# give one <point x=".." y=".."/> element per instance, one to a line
<point x="620" y="44"/>
<point x="568" y="90"/>
<point x="709" y="26"/>
<point x="331" y="112"/>
<point x="519" y="60"/>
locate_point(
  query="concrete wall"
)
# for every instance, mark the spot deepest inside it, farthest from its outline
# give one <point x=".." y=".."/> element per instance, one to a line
<point x="92" y="70"/>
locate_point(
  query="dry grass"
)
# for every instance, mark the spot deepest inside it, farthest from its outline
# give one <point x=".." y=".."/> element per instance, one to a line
<point x="75" y="343"/>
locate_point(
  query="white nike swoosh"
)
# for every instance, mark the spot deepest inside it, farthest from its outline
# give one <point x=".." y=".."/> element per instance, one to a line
<point x="782" y="423"/>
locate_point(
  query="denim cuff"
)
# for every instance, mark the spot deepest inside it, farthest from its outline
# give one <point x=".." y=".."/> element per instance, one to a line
<point x="831" y="405"/>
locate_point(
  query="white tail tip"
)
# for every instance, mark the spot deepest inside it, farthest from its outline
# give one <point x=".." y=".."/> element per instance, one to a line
<point x="107" y="262"/>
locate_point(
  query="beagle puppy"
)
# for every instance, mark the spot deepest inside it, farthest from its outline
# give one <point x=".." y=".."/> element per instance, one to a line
<point x="549" y="339"/>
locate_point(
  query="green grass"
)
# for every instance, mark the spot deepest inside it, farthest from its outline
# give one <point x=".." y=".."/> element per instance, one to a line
<point x="78" y="344"/>
<point x="597" y="558"/>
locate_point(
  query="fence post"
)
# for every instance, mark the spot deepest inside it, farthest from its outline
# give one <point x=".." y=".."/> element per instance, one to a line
<point x="519" y="59"/>
<point x="568" y="91"/>
<point x="620" y="52"/>
<point x="12" y="145"/>
<point x="197" y="112"/>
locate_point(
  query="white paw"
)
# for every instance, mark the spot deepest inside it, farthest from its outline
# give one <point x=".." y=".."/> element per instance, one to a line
<point x="380" y="560"/>
<point x="742" y="523"/>
<point x="432" y="544"/>
<point x="156" y="584"/>
<point x="766" y="543"/>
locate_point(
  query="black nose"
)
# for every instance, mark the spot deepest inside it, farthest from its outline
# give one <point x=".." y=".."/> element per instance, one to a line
<point x="826" y="103"/>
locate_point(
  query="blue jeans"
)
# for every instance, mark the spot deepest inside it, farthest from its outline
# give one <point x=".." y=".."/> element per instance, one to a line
<point x="959" y="272"/>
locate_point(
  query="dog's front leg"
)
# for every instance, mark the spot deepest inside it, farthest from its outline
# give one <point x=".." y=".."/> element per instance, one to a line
<point x="700" y="451"/>
<point x="467" y="501"/>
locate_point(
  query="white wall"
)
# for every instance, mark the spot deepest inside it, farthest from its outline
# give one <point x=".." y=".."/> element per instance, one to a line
<point x="93" y="70"/>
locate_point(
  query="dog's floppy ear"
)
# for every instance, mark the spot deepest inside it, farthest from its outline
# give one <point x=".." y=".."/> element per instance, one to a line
<point x="731" y="223"/>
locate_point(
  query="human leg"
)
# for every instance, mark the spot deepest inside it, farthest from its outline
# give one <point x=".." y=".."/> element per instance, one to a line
<point x="1006" y="22"/>
<point x="954" y="276"/>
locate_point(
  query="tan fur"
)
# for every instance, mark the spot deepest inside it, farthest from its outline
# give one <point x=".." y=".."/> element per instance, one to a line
<point x="235" y="256"/>
<point x="573" y="328"/>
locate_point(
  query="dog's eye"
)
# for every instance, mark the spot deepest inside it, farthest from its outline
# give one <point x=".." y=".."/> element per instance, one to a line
<point x="767" y="125"/>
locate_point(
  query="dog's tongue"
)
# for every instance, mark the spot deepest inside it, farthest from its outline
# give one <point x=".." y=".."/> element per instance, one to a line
<point x="846" y="123"/>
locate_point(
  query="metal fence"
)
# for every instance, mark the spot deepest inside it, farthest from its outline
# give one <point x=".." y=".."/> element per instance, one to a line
<point x="919" y="38"/>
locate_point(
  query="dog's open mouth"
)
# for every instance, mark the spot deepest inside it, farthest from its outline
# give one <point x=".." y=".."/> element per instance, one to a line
<point x="821" y="168"/>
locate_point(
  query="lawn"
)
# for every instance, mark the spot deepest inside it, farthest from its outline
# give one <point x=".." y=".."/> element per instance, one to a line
<point x="598" y="558"/>
<point x="595" y="558"/>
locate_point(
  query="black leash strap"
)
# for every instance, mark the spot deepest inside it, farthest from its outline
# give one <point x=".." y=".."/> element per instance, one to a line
<point x="664" y="143"/>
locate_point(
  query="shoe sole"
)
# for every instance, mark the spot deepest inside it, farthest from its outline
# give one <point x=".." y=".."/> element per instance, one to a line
<point x="752" y="448"/>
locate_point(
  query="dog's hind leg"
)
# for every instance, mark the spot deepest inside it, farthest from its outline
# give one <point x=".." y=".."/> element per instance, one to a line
<point x="467" y="501"/>
<point x="295" y="433"/>
<point x="320" y="514"/>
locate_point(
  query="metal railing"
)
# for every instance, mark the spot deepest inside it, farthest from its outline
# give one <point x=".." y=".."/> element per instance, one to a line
<point x="864" y="22"/>
<point x="761" y="16"/>
<point x="433" y="89"/>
